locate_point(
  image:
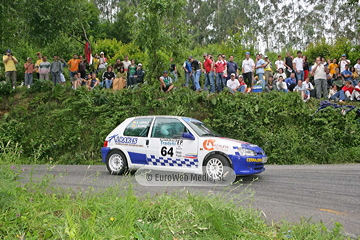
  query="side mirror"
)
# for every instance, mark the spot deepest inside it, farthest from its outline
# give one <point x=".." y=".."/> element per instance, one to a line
<point x="188" y="136"/>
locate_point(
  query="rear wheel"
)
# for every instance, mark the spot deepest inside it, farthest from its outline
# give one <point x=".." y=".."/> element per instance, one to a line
<point x="214" y="166"/>
<point x="116" y="162"/>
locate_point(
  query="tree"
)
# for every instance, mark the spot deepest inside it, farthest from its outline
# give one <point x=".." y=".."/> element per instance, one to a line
<point x="159" y="27"/>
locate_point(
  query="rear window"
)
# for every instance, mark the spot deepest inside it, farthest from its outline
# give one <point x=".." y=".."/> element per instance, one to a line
<point x="138" y="127"/>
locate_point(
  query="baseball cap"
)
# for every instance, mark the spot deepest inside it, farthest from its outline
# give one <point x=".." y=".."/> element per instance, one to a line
<point x="165" y="71"/>
<point x="101" y="53"/>
<point x="190" y="57"/>
<point x="240" y="76"/>
<point x="139" y="64"/>
<point x="344" y="55"/>
<point x="233" y="74"/>
<point x="8" y="50"/>
<point x="205" y="54"/>
<point x="28" y="58"/>
<point x="266" y="56"/>
<point x="247" y="53"/>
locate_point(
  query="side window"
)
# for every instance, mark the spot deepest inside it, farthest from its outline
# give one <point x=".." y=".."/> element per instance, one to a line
<point x="168" y="128"/>
<point x="138" y="127"/>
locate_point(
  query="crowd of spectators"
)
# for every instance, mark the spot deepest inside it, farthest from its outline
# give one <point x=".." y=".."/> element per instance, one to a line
<point x="122" y="74"/>
<point x="329" y="79"/>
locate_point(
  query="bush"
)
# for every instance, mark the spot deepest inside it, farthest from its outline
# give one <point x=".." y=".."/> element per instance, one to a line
<point x="70" y="126"/>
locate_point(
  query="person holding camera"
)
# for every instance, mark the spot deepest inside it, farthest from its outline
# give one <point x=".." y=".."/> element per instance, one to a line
<point x="10" y="69"/>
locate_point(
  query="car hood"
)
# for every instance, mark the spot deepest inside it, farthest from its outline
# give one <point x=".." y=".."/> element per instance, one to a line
<point x="214" y="143"/>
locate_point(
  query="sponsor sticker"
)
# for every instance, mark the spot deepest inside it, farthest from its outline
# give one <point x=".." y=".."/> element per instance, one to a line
<point x="211" y="144"/>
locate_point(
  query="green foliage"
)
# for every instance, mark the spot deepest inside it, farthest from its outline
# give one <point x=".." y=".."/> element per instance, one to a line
<point x="38" y="210"/>
<point x="70" y="126"/>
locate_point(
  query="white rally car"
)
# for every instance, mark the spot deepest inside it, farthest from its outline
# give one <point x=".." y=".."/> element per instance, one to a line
<point x="177" y="144"/>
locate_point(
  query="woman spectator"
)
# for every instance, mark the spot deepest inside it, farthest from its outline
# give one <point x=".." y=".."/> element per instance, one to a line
<point x="102" y="61"/>
<point x="355" y="75"/>
<point x="108" y="77"/>
<point x="280" y="73"/>
<point x="306" y="67"/>
<point x="29" y="69"/>
<point x="120" y="80"/>
<point x="82" y="67"/>
<point x="332" y="91"/>
<point x="132" y="70"/>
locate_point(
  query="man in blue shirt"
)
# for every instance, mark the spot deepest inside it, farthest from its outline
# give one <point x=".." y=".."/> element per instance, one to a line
<point x="291" y="82"/>
<point x="187" y="68"/>
<point x="260" y="66"/>
<point x="232" y="67"/>
<point x="348" y="75"/>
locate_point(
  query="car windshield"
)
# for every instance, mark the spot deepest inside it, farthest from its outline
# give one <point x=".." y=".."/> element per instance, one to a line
<point x="200" y="128"/>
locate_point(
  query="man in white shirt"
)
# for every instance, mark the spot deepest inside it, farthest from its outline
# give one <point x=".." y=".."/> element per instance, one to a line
<point x="233" y="84"/>
<point x="298" y="66"/>
<point x="126" y="63"/>
<point x="279" y="63"/>
<point x="319" y="73"/>
<point x="343" y="62"/>
<point x="248" y="67"/>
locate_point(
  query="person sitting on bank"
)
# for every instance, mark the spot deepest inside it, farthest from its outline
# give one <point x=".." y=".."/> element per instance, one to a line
<point x="94" y="81"/>
<point x="300" y="87"/>
<point x="120" y="80"/>
<point x="139" y="74"/>
<point x="166" y="82"/>
<point x="281" y="85"/>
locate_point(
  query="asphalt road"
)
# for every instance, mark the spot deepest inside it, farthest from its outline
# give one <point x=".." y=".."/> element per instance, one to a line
<point x="327" y="193"/>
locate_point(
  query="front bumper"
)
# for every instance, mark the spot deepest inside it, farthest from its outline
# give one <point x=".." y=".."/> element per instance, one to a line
<point x="104" y="152"/>
<point x="244" y="165"/>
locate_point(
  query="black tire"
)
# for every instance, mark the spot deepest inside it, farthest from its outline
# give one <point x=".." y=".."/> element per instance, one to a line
<point x="116" y="162"/>
<point x="214" y="166"/>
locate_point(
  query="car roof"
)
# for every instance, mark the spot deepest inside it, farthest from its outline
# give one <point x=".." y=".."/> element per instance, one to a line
<point x="165" y="116"/>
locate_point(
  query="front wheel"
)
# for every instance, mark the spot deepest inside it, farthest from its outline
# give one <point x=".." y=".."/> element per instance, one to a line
<point x="116" y="162"/>
<point x="214" y="166"/>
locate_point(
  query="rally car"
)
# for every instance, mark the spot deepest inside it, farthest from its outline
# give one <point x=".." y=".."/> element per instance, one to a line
<point x="181" y="144"/>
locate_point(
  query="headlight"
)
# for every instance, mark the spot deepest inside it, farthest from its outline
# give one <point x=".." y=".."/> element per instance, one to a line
<point x="246" y="152"/>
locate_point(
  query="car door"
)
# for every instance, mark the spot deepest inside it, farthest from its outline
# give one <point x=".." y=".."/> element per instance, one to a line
<point x="134" y="139"/>
<point x="168" y="148"/>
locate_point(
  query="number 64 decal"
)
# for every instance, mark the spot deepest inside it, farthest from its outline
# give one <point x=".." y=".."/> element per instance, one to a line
<point x="164" y="151"/>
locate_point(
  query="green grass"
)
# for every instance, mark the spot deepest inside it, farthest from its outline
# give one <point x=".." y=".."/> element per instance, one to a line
<point x="40" y="210"/>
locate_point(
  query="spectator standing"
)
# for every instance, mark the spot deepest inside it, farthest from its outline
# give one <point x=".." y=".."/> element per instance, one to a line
<point x="343" y="62"/>
<point x="173" y="70"/>
<point x="357" y="66"/>
<point x="260" y="66"/>
<point x="139" y="74"/>
<point x="288" y="62"/>
<point x="209" y="73"/>
<point x="29" y="70"/>
<point x="319" y="73"/>
<point x="329" y="78"/>
<point x="232" y="67"/>
<point x="126" y="63"/>
<point x="131" y="71"/>
<point x="120" y="80"/>
<point x="118" y="64"/>
<point x="44" y="69"/>
<point x="267" y="69"/>
<point x="95" y="63"/>
<point x="166" y="82"/>
<point x="298" y="66"/>
<point x="332" y="67"/>
<point x="248" y="68"/>
<point x="281" y="85"/>
<point x="56" y="70"/>
<point x="102" y="62"/>
<point x="10" y="68"/>
<point x="73" y="65"/>
<point x="82" y="67"/>
<point x="196" y="72"/>
<point x="291" y="82"/>
<point x="187" y="70"/>
<point x="279" y="64"/>
<point x="220" y="68"/>
<point x="305" y="66"/>
<point x="37" y="64"/>
<point x="108" y="77"/>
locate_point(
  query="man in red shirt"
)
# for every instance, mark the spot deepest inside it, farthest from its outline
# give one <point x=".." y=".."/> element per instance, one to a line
<point x="209" y="73"/>
<point x="220" y="68"/>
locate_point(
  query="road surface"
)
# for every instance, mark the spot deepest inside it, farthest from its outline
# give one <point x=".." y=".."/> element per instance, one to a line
<point x="327" y="193"/>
